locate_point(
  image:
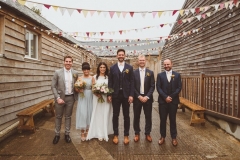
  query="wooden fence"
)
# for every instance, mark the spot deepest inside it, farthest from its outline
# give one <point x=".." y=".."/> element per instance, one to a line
<point x="218" y="93"/>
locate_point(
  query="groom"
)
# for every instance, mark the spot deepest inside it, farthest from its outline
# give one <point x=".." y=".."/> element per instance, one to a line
<point x="121" y="79"/>
<point x="65" y="96"/>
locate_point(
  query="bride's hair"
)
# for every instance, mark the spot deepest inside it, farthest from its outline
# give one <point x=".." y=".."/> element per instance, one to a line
<point x="98" y="70"/>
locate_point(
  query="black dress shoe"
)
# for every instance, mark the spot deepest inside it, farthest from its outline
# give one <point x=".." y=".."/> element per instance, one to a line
<point x="67" y="138"/>
<point x="56" y="139"/>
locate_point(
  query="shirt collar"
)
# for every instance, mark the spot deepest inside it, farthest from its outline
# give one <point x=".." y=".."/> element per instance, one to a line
<point x="121" y="64"/>
<point x="65" y="70"/>
<point x="169" y="71"/>
<point x="140" y="69"/>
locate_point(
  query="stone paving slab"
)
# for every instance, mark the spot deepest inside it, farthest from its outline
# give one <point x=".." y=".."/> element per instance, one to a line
<point x="195" y="142"/>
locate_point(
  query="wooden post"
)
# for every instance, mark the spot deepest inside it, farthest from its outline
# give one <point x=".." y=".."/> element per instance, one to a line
<point x="202" y="89"/>
<point x="2" y="35"/>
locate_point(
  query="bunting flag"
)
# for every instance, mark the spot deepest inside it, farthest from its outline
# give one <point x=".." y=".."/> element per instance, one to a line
<point x="229" y="4"/>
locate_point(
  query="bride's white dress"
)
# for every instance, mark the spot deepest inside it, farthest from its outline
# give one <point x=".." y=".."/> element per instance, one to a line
<point x="101" y="121"/>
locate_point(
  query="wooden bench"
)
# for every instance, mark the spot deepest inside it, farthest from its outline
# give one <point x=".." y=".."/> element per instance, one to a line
<point x="26" y="116"/>
<point x="197" y="111"/>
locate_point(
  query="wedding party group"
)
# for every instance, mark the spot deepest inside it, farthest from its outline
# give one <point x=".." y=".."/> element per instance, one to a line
<point x="101" y="97"/>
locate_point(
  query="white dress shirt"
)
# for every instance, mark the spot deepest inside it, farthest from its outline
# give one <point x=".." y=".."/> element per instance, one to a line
<point x="121" y="66"/>
<point x="68" y="81"/>
<point x="142" y="77"/>
<point x="169" y="74"/>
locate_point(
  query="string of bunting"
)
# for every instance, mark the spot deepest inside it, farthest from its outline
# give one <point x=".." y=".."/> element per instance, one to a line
<point x="85" y="12"/>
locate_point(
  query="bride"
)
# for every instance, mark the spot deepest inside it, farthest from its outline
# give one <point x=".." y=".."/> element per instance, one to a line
<point x="101" y="121"/>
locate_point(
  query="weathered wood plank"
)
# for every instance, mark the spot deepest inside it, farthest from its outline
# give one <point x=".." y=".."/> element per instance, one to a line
<point x="15" y="42"/>
<point x="8" y="86"/>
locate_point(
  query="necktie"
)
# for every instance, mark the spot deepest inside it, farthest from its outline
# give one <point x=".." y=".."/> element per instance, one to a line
<point x="142" y="81"/>
<point x="69" y="83"/>
<point x="168" y="76"/>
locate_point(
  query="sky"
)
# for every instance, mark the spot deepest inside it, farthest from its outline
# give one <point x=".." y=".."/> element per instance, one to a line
<point x="100" y="23"/>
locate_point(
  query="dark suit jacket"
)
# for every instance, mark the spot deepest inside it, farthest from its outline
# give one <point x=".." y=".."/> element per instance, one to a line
<point x="162" y="84"/>
<point x="128" y="80"/>
<point x="149" y="84"/>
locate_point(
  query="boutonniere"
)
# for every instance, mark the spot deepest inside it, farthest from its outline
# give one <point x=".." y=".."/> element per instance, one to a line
<point x="172" y="76"/>
<point x="148" y="74"/>
<point x="75" y="75"/>
<point x="126" y="71"/>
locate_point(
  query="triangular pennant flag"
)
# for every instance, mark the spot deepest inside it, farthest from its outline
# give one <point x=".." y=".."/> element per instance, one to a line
<point x="131" y="14"/>
<point x="197" y="10"/>
<point x="124" y="14"/>
<point x="198" y="17"/>
<point x="231" y="6"/>
<point x="62" y="10"/>
<point x="118" y="14"/>
<point x="87" y="33"/>
<point x="208" y="14"/>
<point x="161" y="25"/>
<point x="124" y="31"/>
<point x="159" y="14"/>
<point x="181" y="12"/>
<point x="70" y="11"/>
<point x="154" y="14"/>
<point x="206" y="8"/>
<point x="216" y="6"/>
<point x="99" y="12"/>
<point x="120" y="32"/>
<point x="180" y="22"/>
<point x="226" y="5"/>
<point x="85" y="12"/>
<point x="184" y="20"/>
<point x="192" y="10"/>
<point x="111" y="13"/>
<point x="22" y="2"/>
<point x="143" y="14"/>
<point x="101" y="33"/>
<point x="186" y="12"/>
<point x="235" y="2"/>
<point x="170" y="24"/>
<point x="190" y="19"/>
<point x="105" y="14"/>
<point x="222" y="5"/>
<point x="175" y="11"/>
<point x="92" y="12"/>
<point x="47" y="6"/>
<point x="79" y="10"/>
<point x="55" y="8"/>
<point x="204" y="16"/>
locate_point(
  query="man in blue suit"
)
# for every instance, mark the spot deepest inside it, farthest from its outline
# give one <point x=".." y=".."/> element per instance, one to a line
<point x="122" y="81"/>
<point x="144" y="85"/>
<point x="168" y="86"/>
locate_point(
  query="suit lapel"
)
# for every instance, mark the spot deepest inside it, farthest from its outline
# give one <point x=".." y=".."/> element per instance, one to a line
<point x="124" y="68"/>
<point x="117" y="69"/>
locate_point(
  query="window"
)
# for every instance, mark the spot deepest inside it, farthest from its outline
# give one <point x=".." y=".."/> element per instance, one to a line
<point x="31" y="45"/>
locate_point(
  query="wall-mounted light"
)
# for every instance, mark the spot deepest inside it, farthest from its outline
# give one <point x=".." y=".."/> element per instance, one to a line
<point x="41" y="30"/>
<point x="13" y="20"/>
<point x="34" y="27"/>
<point x="25" y="26"/>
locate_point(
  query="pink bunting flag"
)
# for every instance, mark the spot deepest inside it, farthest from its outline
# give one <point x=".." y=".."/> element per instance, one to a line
<point x="92" y="12"/>
<point x="174" y="12"/>
<point x="222" y="5"/>
<point x="235" y="2"/>
<point x="120" y="32"/>
<point x="131" y="14"/>
<point x="87" y="34"/>
<point x="124" y="14"/>
<point x="111" y="13"/>
<point x="47" y="6"/>
<point x="204" y="16"/>
<point x="180" y="22"/>
<point x="154" y="14"/>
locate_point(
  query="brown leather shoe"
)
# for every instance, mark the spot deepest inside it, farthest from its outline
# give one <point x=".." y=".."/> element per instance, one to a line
<point x="174" y="142"/>
<point x="136" y="138"/>
<point x="148" y="138"/>
<point x="126" y="140"/>
<point x="115" y="139"/>
<point x="161" y="141"/>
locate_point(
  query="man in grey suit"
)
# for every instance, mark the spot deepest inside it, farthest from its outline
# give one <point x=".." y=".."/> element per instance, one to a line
<point x="65" y="96"/>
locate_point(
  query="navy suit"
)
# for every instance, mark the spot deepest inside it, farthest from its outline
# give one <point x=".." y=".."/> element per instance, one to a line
<point x="149" y="86"/>
<point x="123" y="85"/>
<point x="166" y="89"/>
